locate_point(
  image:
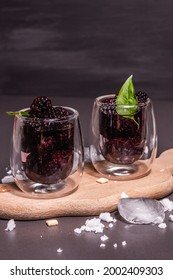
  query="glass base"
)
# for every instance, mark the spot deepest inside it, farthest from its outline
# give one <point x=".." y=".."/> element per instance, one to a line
<point x="38" y="190"/>
<point x="122" y="172"/>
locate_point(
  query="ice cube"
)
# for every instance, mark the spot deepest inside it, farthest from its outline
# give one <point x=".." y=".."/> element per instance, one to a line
<point x="141" y="210"/>
<point x="87" y="154"/>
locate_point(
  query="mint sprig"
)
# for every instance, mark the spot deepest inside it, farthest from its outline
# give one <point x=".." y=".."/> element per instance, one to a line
<point x="127" y="96"/>
<point x="18" y="113"/>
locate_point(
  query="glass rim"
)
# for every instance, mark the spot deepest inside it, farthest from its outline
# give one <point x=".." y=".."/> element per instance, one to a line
<point x="99" y="101"/>
<point x="74" y="115"/>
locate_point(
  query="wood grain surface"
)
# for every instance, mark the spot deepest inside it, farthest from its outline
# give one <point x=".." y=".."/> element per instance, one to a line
<point x="91" y="198"/>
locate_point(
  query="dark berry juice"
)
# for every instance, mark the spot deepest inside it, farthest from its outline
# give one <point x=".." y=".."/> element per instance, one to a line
<point x="122" y="138"/>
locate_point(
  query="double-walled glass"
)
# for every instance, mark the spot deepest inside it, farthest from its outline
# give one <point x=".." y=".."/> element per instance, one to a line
<point x="47" y="154"/>
<point x="123" y="139"/>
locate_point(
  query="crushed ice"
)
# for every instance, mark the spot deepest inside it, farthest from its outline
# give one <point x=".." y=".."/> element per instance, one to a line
<point x="162" y="225"/>
<point x="106" y="217"/>
<point x="59" y="250"/>
<point x="91" y="225"/>
<point x="87" y="154"/>
<point x="167" y="204"/>
<point x="171" y="217"/>
<point x="10" y="225"/>
<point x="7" y="179"/>
<point x="104" y="238"/>
<point x="133" y="210"/>
<point x="95" y="225"/>
<point x="141" y="210"/>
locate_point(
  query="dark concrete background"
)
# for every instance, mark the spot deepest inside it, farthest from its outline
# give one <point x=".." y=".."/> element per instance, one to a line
<point x="85" y="48"/>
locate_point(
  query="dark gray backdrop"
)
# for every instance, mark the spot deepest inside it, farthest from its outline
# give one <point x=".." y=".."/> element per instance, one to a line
<point x="85" y="48"/>
<point x="80" y="49"/>
<point x="75" y="50"/>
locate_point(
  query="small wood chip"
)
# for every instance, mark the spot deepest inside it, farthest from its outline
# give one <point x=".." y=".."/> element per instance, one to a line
<point x="51" y="223"/>
<point x="4" y="188"/>
<point x="102" y="180"/>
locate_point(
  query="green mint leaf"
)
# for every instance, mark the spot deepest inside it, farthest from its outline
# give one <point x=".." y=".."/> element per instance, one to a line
<point x="19" y="113"/>
<point x="127" y="97"/>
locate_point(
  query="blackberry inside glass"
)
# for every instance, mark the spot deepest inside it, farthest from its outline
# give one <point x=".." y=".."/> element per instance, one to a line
<point x="47" y="142"/>
<point x="122" y="140"/>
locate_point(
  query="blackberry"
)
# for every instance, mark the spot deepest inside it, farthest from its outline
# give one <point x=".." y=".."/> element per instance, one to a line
<point x="60" y="112"/>
<point x="47" y="144"/>
<point x="121" y="151"/>
<point x="108" y="106"/>
<point x="142" y="97"/>
<point x="49" y="168"/>
<point x="122" y="141"/>
<point x="41" y="107"/>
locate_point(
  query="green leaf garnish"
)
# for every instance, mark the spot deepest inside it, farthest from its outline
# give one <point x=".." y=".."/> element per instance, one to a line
<point x="127" y="97"/>
<point x="19" y="113"/>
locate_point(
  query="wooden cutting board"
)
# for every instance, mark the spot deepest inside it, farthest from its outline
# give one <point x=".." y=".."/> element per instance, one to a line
<point x="91" y="198"/>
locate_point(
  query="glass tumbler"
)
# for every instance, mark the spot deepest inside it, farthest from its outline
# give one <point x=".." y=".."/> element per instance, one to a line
<point x="123" y="139"/>
<point x="47" y="154"/>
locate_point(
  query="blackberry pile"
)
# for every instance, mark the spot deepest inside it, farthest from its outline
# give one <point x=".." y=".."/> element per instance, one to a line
<point x="142" y="97"/>
<point x="122" y="140"/>
<point x="47" y="143"/>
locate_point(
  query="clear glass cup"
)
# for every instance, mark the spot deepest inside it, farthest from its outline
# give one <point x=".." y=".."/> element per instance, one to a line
<point x="47" y="155"/>
<point x="123" y="146"/>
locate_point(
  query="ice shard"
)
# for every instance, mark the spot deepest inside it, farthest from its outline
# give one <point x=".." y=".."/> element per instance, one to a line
<point x="141" y="210"/>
